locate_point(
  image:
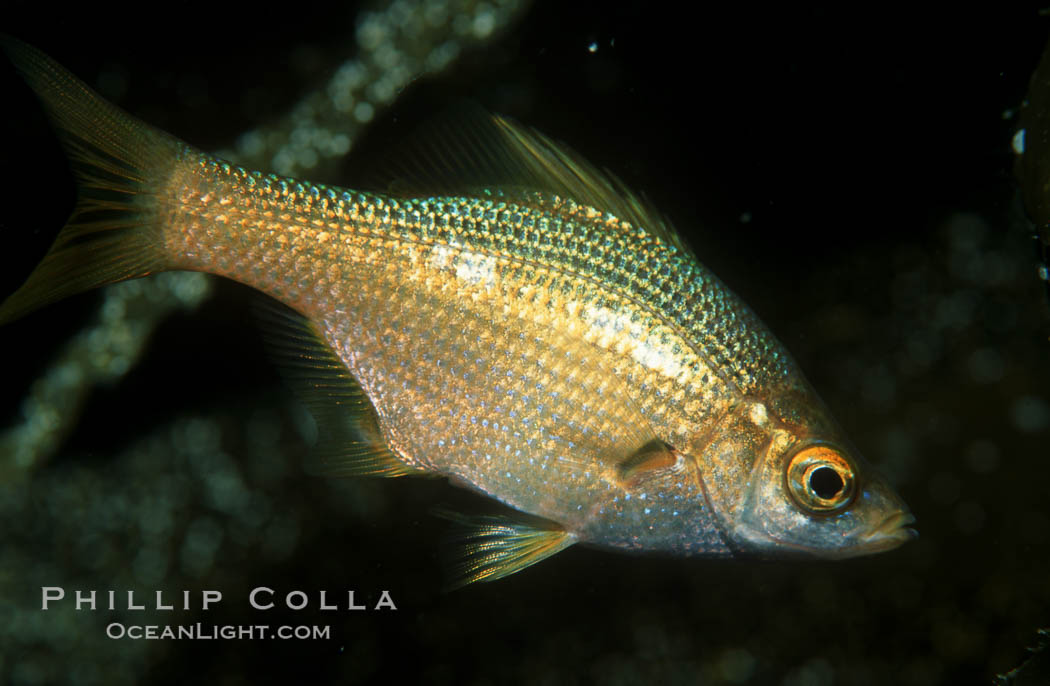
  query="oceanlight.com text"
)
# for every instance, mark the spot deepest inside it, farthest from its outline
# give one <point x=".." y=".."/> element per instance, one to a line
<point x="217" y="632"/>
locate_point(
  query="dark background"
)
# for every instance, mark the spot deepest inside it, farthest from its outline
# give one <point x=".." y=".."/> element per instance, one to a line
<point x="847" y="171"/>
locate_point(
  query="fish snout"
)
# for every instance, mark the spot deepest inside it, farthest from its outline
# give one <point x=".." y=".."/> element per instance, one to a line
<point x="893" y="531"/>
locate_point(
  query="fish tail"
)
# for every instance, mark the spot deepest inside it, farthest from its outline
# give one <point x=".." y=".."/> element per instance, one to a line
<point x="120" y="166"/>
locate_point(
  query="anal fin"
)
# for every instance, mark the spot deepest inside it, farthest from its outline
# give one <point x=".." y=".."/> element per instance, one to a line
<point x="349" y="440"/>
<point x="491" y="547"/>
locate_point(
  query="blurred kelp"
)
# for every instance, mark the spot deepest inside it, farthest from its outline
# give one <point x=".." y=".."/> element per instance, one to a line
<point x="845" y="171"/>
<point x="1032" y="146"/>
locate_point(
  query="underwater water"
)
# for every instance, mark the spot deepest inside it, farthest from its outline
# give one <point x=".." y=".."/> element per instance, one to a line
<point x="848" y="173"/>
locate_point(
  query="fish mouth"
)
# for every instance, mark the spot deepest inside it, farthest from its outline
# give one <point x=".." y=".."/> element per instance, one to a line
<point x="890" y="533"/>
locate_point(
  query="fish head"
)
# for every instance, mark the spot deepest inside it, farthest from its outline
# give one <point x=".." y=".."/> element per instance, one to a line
<point x="801" y="489"/>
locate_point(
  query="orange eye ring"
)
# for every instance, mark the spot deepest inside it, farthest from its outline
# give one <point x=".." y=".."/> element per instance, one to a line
<point x="821" y="479"/>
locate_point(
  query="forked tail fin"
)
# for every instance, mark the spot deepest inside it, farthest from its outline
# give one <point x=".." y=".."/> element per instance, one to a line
<point x="120" y="165"/>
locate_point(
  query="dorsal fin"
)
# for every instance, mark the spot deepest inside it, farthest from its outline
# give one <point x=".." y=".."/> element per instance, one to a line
<point x="349" y="441"/>
<point x="468" y="151"/>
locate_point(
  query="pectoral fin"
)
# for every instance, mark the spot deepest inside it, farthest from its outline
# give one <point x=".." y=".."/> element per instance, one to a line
<point x="653" y="457"/>
<point x="491" y="547"/>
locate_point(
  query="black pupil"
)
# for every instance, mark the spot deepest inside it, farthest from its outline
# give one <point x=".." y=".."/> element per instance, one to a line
<point x="825" y="482"/>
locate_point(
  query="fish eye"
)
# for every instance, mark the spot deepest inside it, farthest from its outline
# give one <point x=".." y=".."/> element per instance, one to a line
<point x="820" y="479"/>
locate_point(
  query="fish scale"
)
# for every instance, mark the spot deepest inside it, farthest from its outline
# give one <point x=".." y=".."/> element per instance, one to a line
<point x="520" y="323"/>
<point x="485" y="402"/>
<point x="470" y="277"/>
